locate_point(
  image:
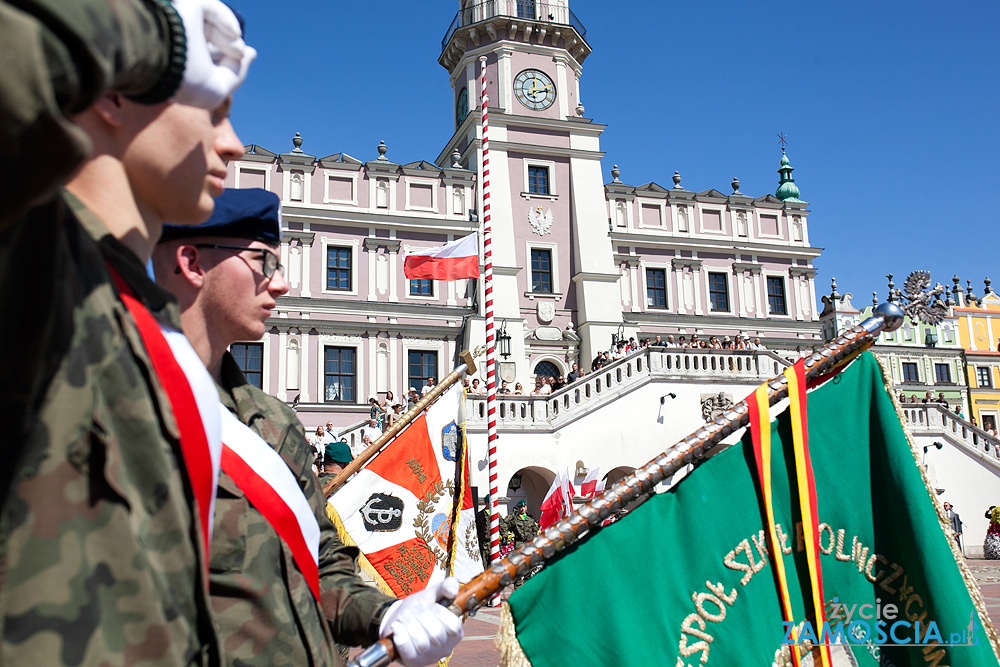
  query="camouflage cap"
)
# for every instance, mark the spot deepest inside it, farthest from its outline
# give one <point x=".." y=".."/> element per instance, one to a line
<point x="251" y="213"/>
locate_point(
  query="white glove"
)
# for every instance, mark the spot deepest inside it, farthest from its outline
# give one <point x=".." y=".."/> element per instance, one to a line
<point x="422" y="630"/>
<point x="217" y="56"/>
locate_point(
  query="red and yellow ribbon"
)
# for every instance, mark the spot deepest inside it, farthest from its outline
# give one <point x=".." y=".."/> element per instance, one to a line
<point x="760" y="431"/>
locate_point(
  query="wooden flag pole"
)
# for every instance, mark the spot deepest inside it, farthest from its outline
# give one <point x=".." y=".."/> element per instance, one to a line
<point x="692" y="450"/>
<point x="468" y="366"/>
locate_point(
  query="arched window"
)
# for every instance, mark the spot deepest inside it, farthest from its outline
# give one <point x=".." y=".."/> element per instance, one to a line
<point x="295" y="187"/>
<point x="382" y="193"/>
<point x="292" y="374"/>
<point x="547" y="369"/>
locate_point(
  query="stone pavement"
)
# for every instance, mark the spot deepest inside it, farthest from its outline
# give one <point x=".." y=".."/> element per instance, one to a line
<point x="478" y="649"/>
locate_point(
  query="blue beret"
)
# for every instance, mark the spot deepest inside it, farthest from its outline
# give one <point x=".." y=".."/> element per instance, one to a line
<point x="253" y="214"/>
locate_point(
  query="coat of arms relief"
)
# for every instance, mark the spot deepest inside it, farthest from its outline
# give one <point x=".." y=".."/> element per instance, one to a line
<point x="541" y="220"/>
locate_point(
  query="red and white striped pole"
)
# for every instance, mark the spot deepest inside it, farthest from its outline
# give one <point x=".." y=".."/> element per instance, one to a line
<point x="491" y="353"/>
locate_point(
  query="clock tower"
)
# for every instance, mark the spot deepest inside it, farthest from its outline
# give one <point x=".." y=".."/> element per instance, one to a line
<point x="555" y="282"/>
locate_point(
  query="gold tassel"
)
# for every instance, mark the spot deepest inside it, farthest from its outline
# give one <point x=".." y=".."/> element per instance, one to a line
<point x="363" y="562"/>
<point x="511" y="654"/>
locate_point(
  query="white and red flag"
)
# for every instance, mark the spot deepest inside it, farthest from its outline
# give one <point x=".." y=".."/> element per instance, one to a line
<point x="453" y="261"/>
<point x="558" y="502"/>
<point x="593" y="484"/>
<point x="400" y="509"/>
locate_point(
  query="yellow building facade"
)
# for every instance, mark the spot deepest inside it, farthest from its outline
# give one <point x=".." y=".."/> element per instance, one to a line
<point x="979" y="332"/>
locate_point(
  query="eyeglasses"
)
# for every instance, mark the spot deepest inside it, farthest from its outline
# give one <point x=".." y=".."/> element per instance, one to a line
<point x="269" y="265"/>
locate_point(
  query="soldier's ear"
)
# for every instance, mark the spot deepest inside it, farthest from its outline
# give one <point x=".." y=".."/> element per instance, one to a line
<point x="190" y="265"/>
<point x="109" y="109"/>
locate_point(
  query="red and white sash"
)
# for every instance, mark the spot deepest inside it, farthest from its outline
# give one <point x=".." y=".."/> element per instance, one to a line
<point x="273" y="490"/>
<point x="194" y="401"/>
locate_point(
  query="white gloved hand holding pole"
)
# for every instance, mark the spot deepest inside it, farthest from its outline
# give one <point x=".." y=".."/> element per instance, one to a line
<point x="422" y="630"/>
<point x="217" y="58"/>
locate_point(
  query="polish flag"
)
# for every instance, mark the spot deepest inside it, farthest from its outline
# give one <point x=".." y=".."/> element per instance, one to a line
<point x="593" y="485"/>
<point x="558" y="502"/>
<point x="454" y="261"/>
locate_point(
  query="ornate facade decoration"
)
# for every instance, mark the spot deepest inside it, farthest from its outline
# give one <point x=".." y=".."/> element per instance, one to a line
<point x="713" y="405"/>
<point x="541" y="220"/>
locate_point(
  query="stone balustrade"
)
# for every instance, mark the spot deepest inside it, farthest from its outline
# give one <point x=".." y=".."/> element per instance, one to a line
<point x="933" y="420"/>
<point x="547" y="413"/>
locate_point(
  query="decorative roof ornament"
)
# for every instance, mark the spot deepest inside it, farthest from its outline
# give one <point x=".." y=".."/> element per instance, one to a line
<point x="833" y="291"/>
<point x="736" y="186"/>
<point x="987" y="289"/>
<point x="456" y="159"/>
<point x="970" y="296"/>
<point x="892" y="292"/>
<point x="677" y="180"/>
<point x="615" y="173"/>
<point x="787" y="190"/>
<point x="874" y="299"/>
<point x="921" y="305"/>
<point x="382" y="150"/>
<point x="297" y="142"/>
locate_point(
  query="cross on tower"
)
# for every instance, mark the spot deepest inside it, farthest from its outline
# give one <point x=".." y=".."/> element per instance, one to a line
<point x="783" y="140"/>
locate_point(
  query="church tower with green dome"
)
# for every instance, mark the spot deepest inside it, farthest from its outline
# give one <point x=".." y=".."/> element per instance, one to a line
<point x="787" y="190"/>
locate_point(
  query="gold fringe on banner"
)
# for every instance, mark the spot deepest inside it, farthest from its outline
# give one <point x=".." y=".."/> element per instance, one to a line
<point x="363" y="562"/>
<point x="506" y="641"/>
<point x="963" y="566"/>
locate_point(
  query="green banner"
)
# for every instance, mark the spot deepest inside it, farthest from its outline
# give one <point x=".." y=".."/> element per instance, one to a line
<point x="686" y="578"/>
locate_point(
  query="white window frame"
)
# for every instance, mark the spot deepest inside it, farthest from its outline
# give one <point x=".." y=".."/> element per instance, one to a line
<point x="340" y="175"/>
<point x="663" y="214"/>
<point x="420" y="346"/>
<point x="354" y="245"/>
<point x="435" y="290"/>
<point x="434" y="194"/>
<point x="920" y="369"/>
<point x="667" y="269"/>
<point x="705" y="270"/>
<point x="788" y="301"/>
<point x="760" y="225"/>
<point x="554" y="255"/>
<point x="359" y="383"/>
<point x="548" y="164"/>
<point x="722" y="221"/>
<point x="247" y="167"/>
<point x="265" y="359"/>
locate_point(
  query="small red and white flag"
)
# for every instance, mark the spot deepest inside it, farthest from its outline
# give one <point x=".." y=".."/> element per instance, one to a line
<point x="453" y="261"/>
<point x="400" y="510"/>
<point x="593" y="484"/>
<point x="558" y="502"/>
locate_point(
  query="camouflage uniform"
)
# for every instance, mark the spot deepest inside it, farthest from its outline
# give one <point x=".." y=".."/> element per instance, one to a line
<point x="265" y="612"/>
<point x="100" y="557"/>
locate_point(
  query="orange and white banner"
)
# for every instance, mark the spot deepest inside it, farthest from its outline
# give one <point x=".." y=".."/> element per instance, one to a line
<point x="400" y="509"/>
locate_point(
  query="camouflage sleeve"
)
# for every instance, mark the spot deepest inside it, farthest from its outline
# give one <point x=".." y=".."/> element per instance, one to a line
<point x="57" y="58"/>
<point x="352" y="607"/>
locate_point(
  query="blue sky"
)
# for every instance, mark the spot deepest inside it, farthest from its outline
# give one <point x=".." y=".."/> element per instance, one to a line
<point x="890" y="109"/>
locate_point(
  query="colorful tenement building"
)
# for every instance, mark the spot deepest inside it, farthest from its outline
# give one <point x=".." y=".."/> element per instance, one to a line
<point x="920" y="357"/>
<point x="979" y="330"/>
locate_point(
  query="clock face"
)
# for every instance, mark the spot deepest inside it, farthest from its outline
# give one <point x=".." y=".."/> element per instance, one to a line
<point x="462" y="106"/>
<point x="534" y="89"/>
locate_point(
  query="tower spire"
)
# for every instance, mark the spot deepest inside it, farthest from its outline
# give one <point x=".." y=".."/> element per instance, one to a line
<point x="787" y="190"/>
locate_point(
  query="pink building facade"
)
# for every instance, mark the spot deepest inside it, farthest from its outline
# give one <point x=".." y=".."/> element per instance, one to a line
<point x="578" y="259"/>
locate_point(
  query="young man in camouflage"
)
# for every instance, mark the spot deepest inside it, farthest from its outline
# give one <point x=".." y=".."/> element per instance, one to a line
<point x="226" y="277"/>
<point x="102" y="549"/>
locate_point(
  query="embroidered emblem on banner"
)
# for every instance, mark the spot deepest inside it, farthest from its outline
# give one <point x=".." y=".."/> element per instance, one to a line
<point x="449" y="441"/>
<point x="383" y="513"/>
<point x="433" y="524"/>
